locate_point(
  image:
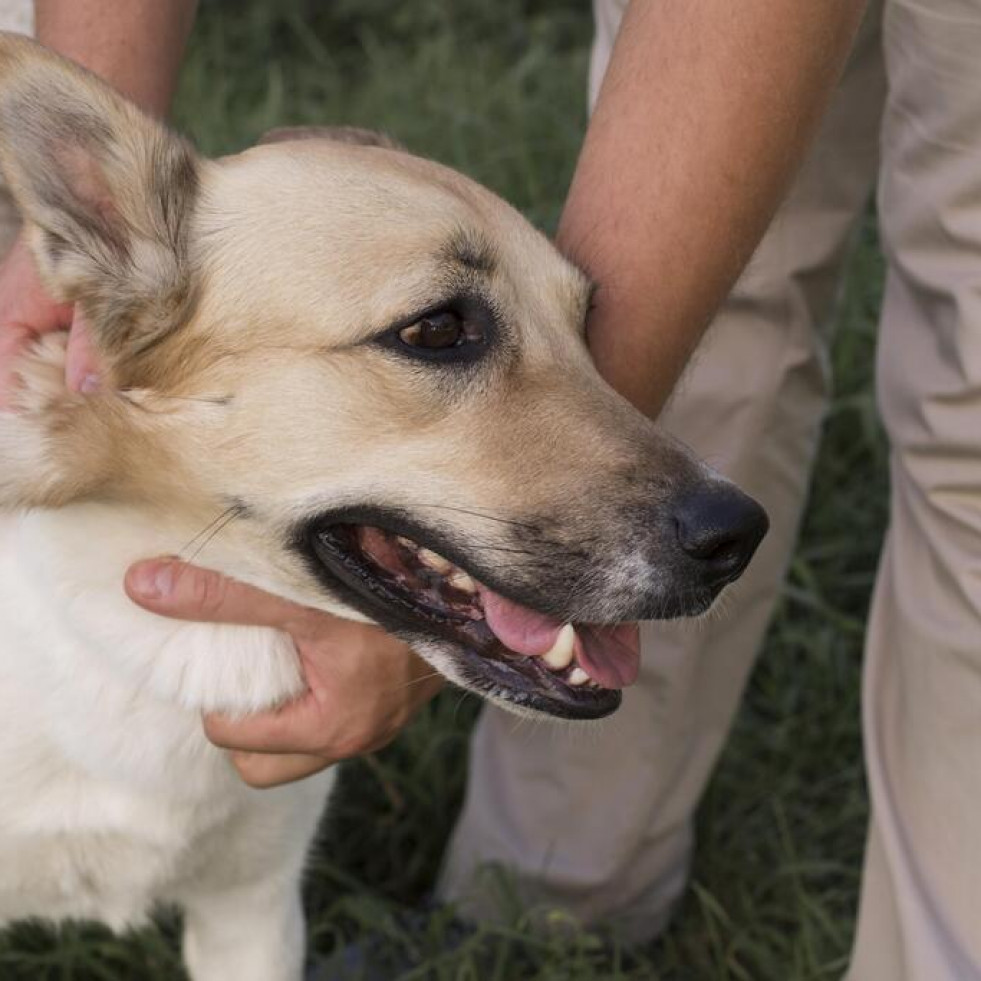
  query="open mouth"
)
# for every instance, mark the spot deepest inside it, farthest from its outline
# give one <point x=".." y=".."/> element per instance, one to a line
<point x="503" y="649"/>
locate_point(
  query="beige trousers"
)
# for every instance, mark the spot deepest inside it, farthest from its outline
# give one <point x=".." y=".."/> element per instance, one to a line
<point x="599" y="822"/>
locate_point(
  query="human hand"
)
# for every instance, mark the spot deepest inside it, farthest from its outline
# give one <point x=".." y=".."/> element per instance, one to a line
<point x="363" y="684"/>
<point x="26" y="312"/>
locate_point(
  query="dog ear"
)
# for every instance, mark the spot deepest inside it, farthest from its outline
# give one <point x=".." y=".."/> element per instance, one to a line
<point x="106" y="194"/>
<point x="336" y="134"/>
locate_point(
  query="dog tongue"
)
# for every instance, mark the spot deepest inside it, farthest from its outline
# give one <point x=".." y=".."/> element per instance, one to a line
<point x="609" y="655"/>
<point x="516" y="627"/>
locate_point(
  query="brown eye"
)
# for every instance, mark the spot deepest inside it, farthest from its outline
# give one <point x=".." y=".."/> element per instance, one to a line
<point x="437" y="331"/>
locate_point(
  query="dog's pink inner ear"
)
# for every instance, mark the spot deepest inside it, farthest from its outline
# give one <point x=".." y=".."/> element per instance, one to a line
<point x="84" y="176"/>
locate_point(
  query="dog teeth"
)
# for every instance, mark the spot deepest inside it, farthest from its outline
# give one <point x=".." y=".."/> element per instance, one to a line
<point x="461" y="581"/>
<point x="578" y="677"/>
<point x="560" y="656"/>
<point x="435" y="561"/>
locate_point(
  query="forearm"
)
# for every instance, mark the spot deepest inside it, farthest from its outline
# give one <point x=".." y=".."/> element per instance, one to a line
<point x="703" y="117"/>
<point x="135" y="45"/>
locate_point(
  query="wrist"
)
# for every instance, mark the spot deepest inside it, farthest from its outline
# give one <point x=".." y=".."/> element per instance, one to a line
<point x="635" y="358"/>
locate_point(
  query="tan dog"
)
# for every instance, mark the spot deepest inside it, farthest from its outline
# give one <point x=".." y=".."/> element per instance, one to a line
<point x="367" y="375"/>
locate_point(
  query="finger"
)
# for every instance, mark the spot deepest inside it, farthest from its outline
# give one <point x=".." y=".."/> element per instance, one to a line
<point x="296" y="727"/>
<point x="186" y="592"/>
<point x="264" y="770"/>
<point x="81" y="358"/>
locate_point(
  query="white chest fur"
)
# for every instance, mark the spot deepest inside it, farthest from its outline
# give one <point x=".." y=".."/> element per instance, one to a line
<point x="110" y="796"/>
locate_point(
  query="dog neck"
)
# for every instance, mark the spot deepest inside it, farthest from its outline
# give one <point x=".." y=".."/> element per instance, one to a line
<point x="72" y="561"/>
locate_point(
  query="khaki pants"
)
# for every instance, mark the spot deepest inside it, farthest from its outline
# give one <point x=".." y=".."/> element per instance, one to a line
<point x="602" y="824"/>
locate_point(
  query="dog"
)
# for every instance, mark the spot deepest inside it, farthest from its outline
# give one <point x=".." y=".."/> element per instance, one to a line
<point x="373" y="374"/>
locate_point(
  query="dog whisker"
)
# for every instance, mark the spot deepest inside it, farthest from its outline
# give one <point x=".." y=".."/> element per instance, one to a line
<point x="210" y="532"/>
<point x="478" y="514"/>
<point x="204" y="399"/>
<point x="473" y="546"/>
<point x="464" y="696"/>
<point x="419" y="680"/>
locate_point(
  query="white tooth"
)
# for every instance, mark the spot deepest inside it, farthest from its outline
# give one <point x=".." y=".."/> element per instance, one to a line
<point x="578" y="676"/>
<point x="435" y="561"/>
<point x="560" y="656"/>
<point x="406" y="542"/>
<point x="460" y="580"/>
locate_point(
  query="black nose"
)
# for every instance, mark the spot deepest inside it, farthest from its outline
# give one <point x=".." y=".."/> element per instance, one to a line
<point x="720" y="527"/>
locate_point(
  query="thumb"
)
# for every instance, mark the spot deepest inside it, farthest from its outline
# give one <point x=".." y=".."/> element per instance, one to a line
<point x="175" y="589"/>
<point x="81" y="359"/>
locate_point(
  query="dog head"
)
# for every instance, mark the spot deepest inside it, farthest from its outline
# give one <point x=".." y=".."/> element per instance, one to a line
<point x="375" y="370"/>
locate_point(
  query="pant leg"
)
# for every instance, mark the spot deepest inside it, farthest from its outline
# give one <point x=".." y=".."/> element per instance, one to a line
<point x="598" y="821"/>
<point x="920" y="914"/>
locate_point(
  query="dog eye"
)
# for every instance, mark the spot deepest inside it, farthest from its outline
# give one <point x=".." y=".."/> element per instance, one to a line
<point x="437" y="331"/>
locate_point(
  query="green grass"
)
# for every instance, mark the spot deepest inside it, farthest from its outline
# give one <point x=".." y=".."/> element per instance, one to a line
<point x="497" y="90"/>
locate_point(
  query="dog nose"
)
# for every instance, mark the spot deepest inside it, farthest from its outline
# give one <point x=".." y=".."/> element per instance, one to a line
<point x="720" y="527"/>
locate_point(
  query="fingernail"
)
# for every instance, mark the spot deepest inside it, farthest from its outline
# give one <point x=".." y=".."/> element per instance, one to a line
<point x="90" y="384"/>
<point x="153" y="582"/>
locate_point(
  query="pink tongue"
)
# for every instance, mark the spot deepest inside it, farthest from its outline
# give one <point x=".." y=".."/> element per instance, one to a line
<point x="516" y="627"/>
<point x="609" y="655"/>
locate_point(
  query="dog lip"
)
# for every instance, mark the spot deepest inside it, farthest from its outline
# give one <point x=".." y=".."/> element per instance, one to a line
<point x="521" y="680"/>
<point x="502" y="680"/>
<point x="334" y="557"/>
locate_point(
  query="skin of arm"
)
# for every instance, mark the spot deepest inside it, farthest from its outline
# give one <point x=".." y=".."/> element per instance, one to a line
<point x="701" y="123"/>
<point x="135" y="45"/>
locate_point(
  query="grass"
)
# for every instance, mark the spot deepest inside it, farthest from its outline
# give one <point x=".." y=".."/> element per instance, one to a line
<point x="497" y="90"/>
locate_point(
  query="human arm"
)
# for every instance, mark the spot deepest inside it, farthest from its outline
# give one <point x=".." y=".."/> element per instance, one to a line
<point x="135" y="46"/>
<point x="702" y="120"/>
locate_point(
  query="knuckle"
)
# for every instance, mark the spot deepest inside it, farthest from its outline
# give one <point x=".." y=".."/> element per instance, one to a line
<point x="253" y="770"/>
<point x="208" y="591"/>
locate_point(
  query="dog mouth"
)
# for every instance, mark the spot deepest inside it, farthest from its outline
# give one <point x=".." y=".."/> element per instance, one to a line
<point x="501" y="648"/>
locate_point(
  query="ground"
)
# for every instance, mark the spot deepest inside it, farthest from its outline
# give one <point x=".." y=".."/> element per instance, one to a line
<point x="497" y="90"/>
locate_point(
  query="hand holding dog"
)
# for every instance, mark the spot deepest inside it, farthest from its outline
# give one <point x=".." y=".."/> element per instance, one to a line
<point x="26" y="312"/>
<point x="364" y="685"/>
